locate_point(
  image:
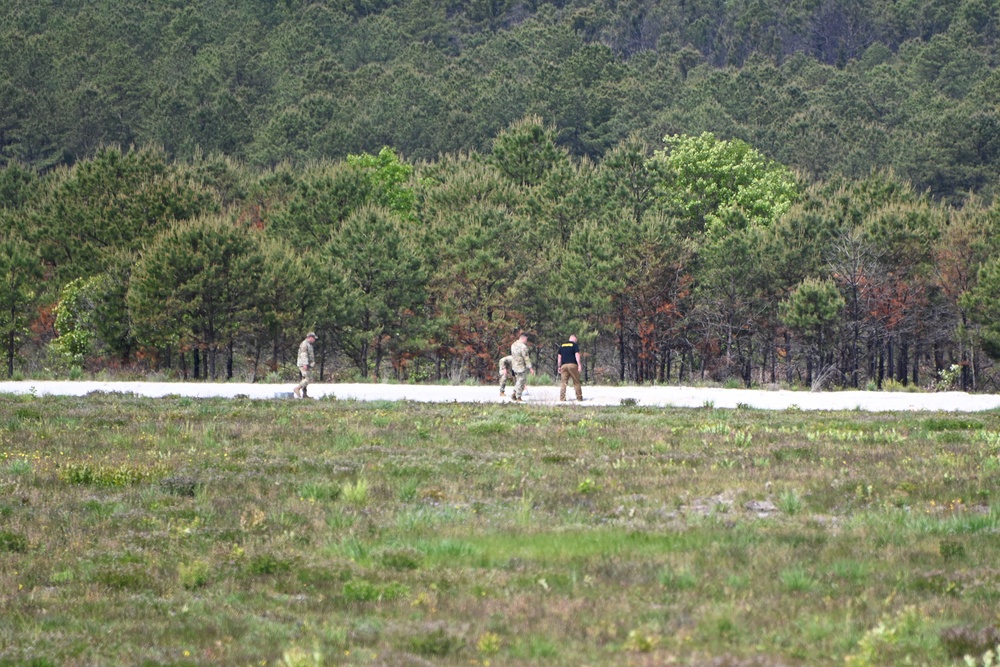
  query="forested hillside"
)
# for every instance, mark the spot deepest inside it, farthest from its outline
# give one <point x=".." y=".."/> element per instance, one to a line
<point x="827" y="86"/>
<point x="747" y="192"/>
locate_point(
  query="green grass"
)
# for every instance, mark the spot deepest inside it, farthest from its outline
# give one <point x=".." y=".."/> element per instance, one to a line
<point x="345" y="533"/>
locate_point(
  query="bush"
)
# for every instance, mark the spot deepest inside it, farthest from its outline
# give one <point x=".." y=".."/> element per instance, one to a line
<point x="13" y="542"/>
<point x="109" y="476"/>
<point x="268" y="564"/>
<point x="400" y="558"/>
<point x="194" y="575"/>
<point x="435" y="643"/>
<point x="361" y="590"/>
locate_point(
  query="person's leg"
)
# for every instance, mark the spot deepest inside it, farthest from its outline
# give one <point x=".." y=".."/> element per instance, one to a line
<point x="519" y="381"/>
<point x="564" y="374"/>
<point x="300" y="389"/>
<point x="574" y="372"/>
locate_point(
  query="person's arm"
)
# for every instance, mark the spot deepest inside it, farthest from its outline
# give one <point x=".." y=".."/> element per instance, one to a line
<point x="578" y="363"/>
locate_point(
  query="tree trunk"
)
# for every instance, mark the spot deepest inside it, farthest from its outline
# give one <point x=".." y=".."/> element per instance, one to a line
<point x="789" y="368"/>
<point x="903" y="361"/>
<point x="10" y="354"/>
<point x="621" y="346"/>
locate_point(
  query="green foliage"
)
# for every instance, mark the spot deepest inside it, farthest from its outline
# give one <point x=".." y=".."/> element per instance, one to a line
<point x="362" y="590"/>
<point x="389" y="179"/>
<point x="673" y="526"/>
<point x="74" y="321"/>
<point x="115" y="201"/>
<point x="266" y="564"/>
<point x="105" y="475"/>
<point x="400" y="558"/>
<point x="194" y="575"/>
<point x="535" y="192"/>
<point x="20" y="271"/>
<point x="436" y="643"/>
<point x="320" y="491"/>
<point x="195" y="285"/>
<point x="895" y="639"/>
<point x="719" y="186"/>
<point x="983" y="302"/>
<point x="356" y="494"/>
<point x="12" y="542"/>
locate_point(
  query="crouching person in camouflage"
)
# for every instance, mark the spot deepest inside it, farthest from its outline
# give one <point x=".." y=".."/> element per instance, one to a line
<point x="305" y="362"/>
<point x="506" y="366"/>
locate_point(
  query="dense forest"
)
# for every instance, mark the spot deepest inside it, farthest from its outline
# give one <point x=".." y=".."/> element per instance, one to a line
<point x="751" y="191"/>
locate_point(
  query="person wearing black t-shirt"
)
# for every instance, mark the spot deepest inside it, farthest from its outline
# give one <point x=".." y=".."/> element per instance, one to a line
<point x="569" y="367"/>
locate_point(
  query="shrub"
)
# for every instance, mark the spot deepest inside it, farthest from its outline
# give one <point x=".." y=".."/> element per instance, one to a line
<point x="790" y="502"/>
<point x="488" y="644"/>
<point x="180" y="486"/>
<point x="19" y="467"/>
<point x="361" y="590"/>
<point x="357" y="493"/>
<point x="319" y="491"/>
<point x="640" y="642"/>
<point x="124" y="577"/>
<point x="435" y="643"/>
<point x="194" y="575"/>
<point x="13" y="542"/>
<point x="894" y="640"/>
<point x="109" y="476"/>
<point x="951" y="549"/>
<point x="268" y="564"/>
<point x="489" y="428"/>
<point x="400" y="558"/>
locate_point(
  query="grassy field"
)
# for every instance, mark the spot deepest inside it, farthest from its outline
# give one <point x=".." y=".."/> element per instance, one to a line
<point x="177" y="531"/>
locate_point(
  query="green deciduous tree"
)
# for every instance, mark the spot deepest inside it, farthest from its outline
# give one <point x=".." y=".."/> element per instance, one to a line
<point x="717" y="186"/>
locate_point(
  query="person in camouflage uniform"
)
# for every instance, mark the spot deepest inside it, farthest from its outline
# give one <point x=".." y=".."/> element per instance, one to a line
<point x="506" y="372"/>
<point x="305" y="362"/>
<point x="521" y="363"/>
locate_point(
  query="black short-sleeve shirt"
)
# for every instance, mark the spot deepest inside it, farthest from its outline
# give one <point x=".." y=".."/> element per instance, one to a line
<point x="567" y="353"/>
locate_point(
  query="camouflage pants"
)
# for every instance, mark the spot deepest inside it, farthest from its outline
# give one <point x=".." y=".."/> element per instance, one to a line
<point x="503" y="381"/>
<point x="306" y="373"/>
<point x="519" y="381"/>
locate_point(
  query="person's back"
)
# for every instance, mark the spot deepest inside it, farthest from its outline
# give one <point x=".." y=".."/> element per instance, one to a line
<point x="569" y="368"/>
<point x="521" y="363"/>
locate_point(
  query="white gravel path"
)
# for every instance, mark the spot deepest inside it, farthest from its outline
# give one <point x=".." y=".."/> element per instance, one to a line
<point x="541" y="394"/>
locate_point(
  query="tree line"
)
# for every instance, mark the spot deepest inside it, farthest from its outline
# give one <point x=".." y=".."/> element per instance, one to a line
<point x="694" y="258"/>
<point x="839" y="87"/>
